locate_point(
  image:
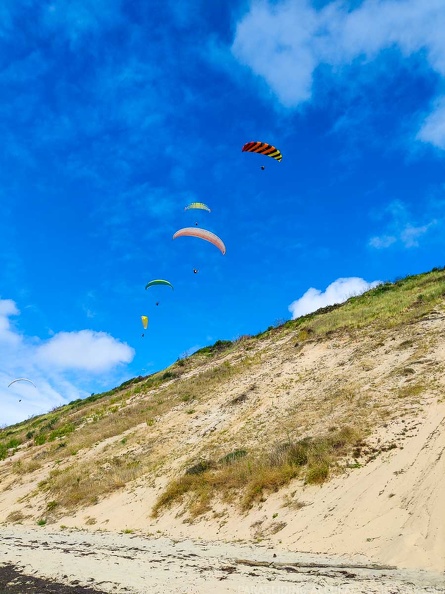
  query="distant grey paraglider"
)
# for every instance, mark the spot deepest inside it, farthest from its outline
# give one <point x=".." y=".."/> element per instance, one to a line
<point x="22" y="379"/>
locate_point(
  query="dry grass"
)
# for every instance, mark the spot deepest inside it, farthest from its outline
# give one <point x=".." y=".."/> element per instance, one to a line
<point x="248" y="478"/>
<point x="15" y="516"/>
<point x="411" y="390"/>
<point x="22" y="467"/>
<point x="84" y="483"/>
<point x="63" y="436"/>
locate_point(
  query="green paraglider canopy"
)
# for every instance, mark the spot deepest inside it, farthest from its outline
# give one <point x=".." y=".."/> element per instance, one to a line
<point x="158" y="281"/>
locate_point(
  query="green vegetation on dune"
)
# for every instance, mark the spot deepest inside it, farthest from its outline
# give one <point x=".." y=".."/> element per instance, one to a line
<point x="386" y="306"/>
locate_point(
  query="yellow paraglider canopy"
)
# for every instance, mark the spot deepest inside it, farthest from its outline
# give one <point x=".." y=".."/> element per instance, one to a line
<point x="197" y="205"/>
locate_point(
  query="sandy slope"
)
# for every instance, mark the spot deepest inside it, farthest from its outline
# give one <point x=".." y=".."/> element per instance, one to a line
<point x="393" y="509"/>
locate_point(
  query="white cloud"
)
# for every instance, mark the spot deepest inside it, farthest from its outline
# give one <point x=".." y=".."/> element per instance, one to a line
<point x="7" y="308"/>
<point x="337" y="292"/>
<point x="88" y="350"/>
<point x="375" y="25"/>
<point x="433" y="128"/>
<point x="53" y="365"/>
<point x="284" y="42"/>
<point x="275" y="42"/>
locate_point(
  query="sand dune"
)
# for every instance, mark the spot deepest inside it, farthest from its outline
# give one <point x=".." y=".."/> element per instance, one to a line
<point x="377" y="524"/>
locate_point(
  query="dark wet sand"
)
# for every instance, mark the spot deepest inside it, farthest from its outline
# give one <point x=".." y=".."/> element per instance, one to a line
<point x="13" y="581"/>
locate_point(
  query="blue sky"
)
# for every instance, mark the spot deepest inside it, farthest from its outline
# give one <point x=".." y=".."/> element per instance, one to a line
<point x="115" y="114"/>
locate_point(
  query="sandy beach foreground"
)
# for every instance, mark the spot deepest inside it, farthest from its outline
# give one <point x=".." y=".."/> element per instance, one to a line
<point x="82" y="562"/>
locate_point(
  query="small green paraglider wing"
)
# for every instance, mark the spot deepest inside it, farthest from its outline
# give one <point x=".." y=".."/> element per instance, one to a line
<point x="144" y="320"/>
<point x="198" y="205"/>
<point x="158" y="281"/>
<point x="22" y="379"/>
<point x="202" y="234"/>
<point x="263" y="149"/>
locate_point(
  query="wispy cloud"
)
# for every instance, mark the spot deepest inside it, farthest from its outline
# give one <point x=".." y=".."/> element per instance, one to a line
<point x="60" y="367"/>
<point x="382" y="241"/>
<point x="105" y="112"/>
<point x="337" y="292"/>
<point x="400" y="229"/>
<point x="82" y="18"/>
<point x="284" y="43"/>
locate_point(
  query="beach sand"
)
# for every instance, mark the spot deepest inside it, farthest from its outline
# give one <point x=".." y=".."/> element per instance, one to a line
<point x="111" y="562"/>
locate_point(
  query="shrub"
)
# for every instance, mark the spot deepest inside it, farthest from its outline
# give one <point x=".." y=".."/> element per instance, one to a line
<point x="318" y="472"/>
<point x="200" y="467"/>
<point x="3" y="451"/>
<point x="295" y="454"/>
<point x="232" y="457"/>
<point x="239" y="399"/>
<point x="218" y="347"/>
<point x="40" y="439"/>
<point x="169" y="375"/>
<point x="61" y="431"/>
